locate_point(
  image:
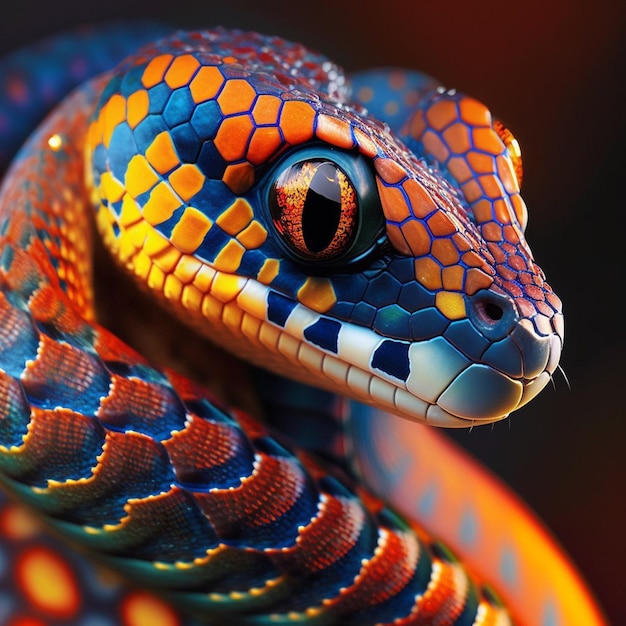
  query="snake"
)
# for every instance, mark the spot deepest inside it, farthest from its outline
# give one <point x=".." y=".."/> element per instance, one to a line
<point x="359" y="241"/>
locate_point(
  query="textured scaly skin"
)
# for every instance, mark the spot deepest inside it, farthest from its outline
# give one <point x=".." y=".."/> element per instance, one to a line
<point x="437" y="297"/>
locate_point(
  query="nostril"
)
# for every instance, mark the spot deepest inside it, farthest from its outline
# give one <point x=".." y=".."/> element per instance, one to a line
<point x="492" y="313"/>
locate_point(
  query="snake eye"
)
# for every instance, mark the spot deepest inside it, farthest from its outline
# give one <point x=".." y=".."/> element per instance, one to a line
<point x="512" y="147"/>
<point x="314" y="207"/>
<point x="324" y="207"/>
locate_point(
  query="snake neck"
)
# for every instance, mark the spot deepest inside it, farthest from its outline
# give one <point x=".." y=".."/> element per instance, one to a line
<point x="307" y="417"/>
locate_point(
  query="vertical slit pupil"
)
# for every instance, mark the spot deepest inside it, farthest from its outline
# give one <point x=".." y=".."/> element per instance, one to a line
<point x="322" y="208"/>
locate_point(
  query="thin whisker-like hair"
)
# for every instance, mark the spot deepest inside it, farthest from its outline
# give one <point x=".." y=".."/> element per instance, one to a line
<point x="565" y="378"/>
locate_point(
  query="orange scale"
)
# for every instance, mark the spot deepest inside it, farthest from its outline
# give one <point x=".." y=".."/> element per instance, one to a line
<point x="492" y="232"/>
<point x="461" y="243"/>
<point x="472" y="190"/>
<point x="334" y="131"/>
<point x="137" y="107"/>
<point x="440" y="224"/>
<point x="239" y="177"/>
<point x="535" y="293"/>
<point x="114" y="112"/>
<point x="181" y="71"/>
<point x="473" y="259"/>
<point x="417" y="237"/>
<point x="206" y="84"/>
<point x="491" y="187"/>
<point x="428" y="273"/>
<point x="48" y="583"/>
<point x="422" y="203"/>
<point x="366" y="144"/>
<point x="506" y="174"/>
<point x="434" y="145"/>
<point x="501" y="211"/>
<point x="236" y="97"/>
<point x="161" y="153"/>
<point x="517" y="262"/>
<point x="264" y="143"/>
<point x="317" y="293"/>
<point x="297" y="120"/>
<point x="524" y="278"/>
<point x="457" y="137"/>
<point x="474" y="112"/>
<point x="445" y="252"/>
<point x="389" y="170"/>
<point x="521" y="212"/>
<point x="233" y="136"/>
<point x="441" y="114"/>
<point x="266" y="109"/>
<point x="497" y="254"/>
<point x="510" y="248"/>
<point x="460" y="169"/>
<point x="511" y="287"/>
<point x="506" y="273"/>
<point x="486" y="139"/>
<point x="525" y="307"/>
<point x="546" y="314"/>
<point x="481" y="163"/>
<point x="394" y="203"/>
<point x="453" y="277"/>
<point x="511" y="233"/>
<point x="186" y="180"/>
<point x="483" y="211"/>
<point x="475" y="280"/>
<point x="397" y="240"/>
<point x="155" y="70"/>
<point x="94" y="135"/>
<point x="553" y="300"/>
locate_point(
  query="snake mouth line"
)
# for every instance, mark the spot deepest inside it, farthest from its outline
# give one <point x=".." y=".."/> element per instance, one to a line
<point x="284" y="347"/>
<point x="351" y="363"/>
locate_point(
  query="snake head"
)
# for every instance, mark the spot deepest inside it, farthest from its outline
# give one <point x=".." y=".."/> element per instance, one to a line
<point x="234" y="175"/>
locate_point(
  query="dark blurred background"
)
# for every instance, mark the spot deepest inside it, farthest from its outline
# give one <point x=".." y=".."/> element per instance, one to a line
<point x="554" y="72"/>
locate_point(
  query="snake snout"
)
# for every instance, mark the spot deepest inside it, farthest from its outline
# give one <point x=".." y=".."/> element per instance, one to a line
<point x="517" y="348"/>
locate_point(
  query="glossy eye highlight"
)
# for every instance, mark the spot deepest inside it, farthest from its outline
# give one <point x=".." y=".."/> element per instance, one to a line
<point x="314" y="207"/>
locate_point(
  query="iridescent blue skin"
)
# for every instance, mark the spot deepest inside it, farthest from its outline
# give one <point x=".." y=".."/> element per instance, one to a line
<point x="384" y="298"/>
<point x="498" y="354"/>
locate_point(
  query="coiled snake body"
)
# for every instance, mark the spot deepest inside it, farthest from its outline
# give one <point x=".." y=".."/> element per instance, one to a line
<point x="239" y="178"/>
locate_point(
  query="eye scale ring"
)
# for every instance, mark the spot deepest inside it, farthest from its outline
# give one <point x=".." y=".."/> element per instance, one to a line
<point x="314" y="208"/>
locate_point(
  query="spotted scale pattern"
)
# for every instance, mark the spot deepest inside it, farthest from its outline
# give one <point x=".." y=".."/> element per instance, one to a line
<point x="187" y="126"/>
<point x="117" y="456"/>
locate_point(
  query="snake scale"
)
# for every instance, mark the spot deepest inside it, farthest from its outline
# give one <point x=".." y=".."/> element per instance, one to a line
<point x="371" y="247"/>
